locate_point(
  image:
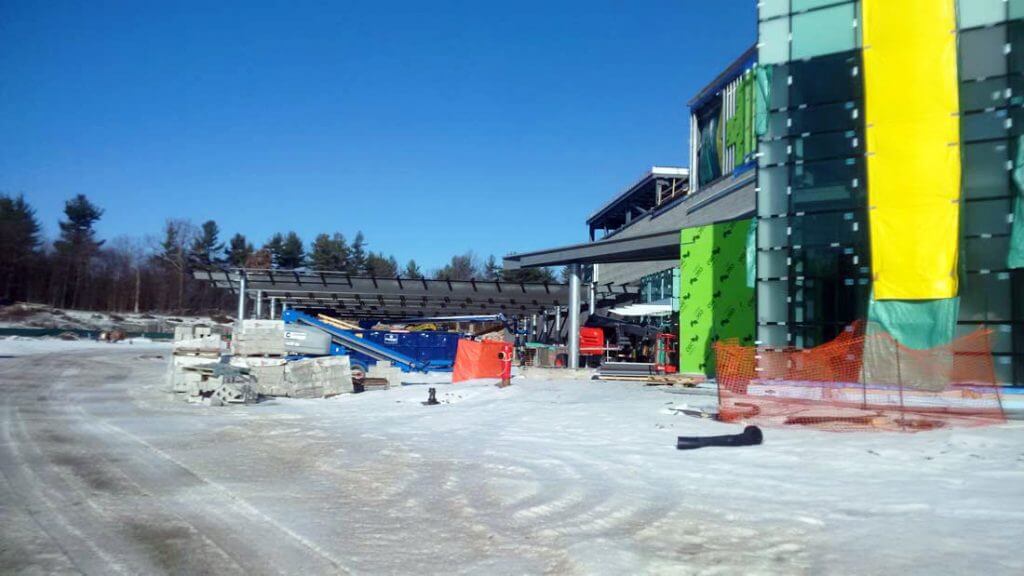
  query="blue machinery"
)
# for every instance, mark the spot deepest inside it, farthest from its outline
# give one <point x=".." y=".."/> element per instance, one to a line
<point x="410" y="351"/>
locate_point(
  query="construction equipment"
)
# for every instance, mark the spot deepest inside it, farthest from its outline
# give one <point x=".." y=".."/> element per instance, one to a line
<point x="665" y="348"/>
<point x="412" y="352"/>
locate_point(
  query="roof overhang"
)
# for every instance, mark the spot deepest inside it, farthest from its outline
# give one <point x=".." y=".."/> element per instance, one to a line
<point x="369" y="297"/>
<point x="646" y="248"/>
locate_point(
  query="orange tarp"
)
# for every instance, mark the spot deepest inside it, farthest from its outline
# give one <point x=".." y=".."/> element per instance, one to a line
<point x="479" y="359"/>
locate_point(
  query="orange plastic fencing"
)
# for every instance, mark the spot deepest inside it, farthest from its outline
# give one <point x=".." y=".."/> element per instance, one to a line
<point x="479" y="359"/>
<point x="861" y="382"/>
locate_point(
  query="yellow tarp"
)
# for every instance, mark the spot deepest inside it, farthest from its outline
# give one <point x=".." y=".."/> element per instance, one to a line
<point x="913" y="135"/>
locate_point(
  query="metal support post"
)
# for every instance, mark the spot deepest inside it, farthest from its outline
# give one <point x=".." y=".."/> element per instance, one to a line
<point x="273" y="308"/>
<point x="241" y="296"/>
<point x="259" y="304"/>
<point x="593" y="298"/>
<point x="574" y="315"/>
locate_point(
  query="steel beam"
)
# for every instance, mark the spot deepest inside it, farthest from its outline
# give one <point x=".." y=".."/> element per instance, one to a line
<point x="574" y="315"/>
<point x="241" y="297"/>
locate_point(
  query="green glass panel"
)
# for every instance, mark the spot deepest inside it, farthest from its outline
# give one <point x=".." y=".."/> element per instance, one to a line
<point x="981" y="12"/>
<point x="1016" y="8"/>
<point x="1015" y="259"/>
<point x="801" y="5"/>
<point x="772" y="8"/>
<point x="824" y="31"/>
<point x="773" y="41"/>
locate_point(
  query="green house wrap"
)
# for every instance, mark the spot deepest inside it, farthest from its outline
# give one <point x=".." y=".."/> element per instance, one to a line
<point x="715" y="302"/>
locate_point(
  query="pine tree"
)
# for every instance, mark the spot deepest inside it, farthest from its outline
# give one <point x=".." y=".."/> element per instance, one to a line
<point x="19" y="244"/>
<point x="76" y="246"/>
<point x="462" y="267"/>
<point x="329" y="253"/>
<point x="274" y="246"/>
<point x="292" y="254"/>
<point x="412" y="271"/>
<point x="357" y="258"/>
<point x="206" y="247"/>
<point x="492" y="270"/>
<point x="238" y="251"/>
<point x="379" y="266"/>
<point x="178" y="235"/>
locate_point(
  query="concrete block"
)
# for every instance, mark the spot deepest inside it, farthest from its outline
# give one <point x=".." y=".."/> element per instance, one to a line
<point x="259" y="338"/>
<point x="177" y="375"/>
<point x="211" y="345"/>
<point x="319" y="377"/>
<point x="234" y="393"/>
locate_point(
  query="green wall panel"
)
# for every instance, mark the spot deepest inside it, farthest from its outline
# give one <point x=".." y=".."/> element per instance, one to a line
<point x="714" y="300"/>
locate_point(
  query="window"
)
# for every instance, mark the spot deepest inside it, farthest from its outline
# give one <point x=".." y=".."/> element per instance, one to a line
<point x="827" y="79"/>
<point x="801" y="5"/>
<point x="832" y="185"/>
<point x="982" y="53"/>
<point x="827" y="146"/>
<point x="773" y="41"/>
<point x="992" y="93"/>
<point x="987" y="217"/>
<point x="833" y="117"/>
<point x="772" y="199"/>
<point x="986" y="170"/>
<point x="772" y="8"/>
<point x="1016" y="8"/>
<point x="981" y="12"/>
<point x="985" y="126"/>
<point x="824" y="31"/>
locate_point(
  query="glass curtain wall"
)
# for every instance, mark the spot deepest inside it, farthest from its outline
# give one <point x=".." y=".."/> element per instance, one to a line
<point x="814" y="272"/>
<point x="992" y="126"/>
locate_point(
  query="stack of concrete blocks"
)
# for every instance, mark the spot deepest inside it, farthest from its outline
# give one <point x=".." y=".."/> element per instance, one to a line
<point x="267" y="374"/>
<point x="382" y="375"/>
<point x="318" y="377"/>
<point x="258" y="338"/>
<point x="193" y="346"/>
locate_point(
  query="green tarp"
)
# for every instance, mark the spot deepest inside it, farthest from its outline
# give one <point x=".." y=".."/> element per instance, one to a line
<point x="762" y="99"/>
<point x="917" y="324"/>
<point x="709" y="167"/>
<point x="1015" y="259"/>
<point x="714" y="301"/>
<point x="752" y="254"/>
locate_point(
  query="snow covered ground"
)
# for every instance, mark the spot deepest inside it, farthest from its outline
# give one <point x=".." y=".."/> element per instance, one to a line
<point x="39" y="316"/>
<point x="105" y="471"/>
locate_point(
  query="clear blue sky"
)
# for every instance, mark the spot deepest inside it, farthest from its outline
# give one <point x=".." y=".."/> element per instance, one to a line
<point x="434" y="127"/>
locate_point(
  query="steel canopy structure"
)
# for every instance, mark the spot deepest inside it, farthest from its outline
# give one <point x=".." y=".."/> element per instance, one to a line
<point x="386" y="298"/>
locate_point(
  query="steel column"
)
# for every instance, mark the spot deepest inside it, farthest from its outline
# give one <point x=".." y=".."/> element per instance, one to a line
<point x="259" y="304"/>
<point x="241" y="296"/>
<point x="574" y="315"/>
<point x="273" y="307"/>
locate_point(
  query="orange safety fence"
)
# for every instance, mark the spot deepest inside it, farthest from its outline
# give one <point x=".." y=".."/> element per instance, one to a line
<point x="860" y="381"/>
<point x="479" y="359"/>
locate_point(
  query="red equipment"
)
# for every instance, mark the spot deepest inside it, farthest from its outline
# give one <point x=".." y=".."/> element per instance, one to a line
<point x="591" y="341"/>
<point x="665" y="353"/>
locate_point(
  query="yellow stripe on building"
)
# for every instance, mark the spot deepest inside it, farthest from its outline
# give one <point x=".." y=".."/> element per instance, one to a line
<point x="913" y="135"/>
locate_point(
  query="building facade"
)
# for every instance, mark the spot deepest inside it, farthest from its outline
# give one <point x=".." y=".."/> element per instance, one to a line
<point x="886" y="181"/>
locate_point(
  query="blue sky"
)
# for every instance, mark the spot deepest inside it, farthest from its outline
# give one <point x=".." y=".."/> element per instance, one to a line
<point x="434" y="127"/>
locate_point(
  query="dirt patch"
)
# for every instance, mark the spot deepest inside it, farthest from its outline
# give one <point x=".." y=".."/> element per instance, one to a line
<point x="94" y="473"/>
<point x="175" y="549"/>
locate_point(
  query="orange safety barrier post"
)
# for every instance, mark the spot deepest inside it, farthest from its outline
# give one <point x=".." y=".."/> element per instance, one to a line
<point x="861" y="381"/>
<point x="482" y="359"/>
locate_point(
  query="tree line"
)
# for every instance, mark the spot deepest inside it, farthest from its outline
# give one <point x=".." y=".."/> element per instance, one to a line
<point x="80" y="270"/>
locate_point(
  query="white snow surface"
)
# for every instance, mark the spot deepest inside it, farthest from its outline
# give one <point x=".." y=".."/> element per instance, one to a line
<point x="105" y="470"/>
